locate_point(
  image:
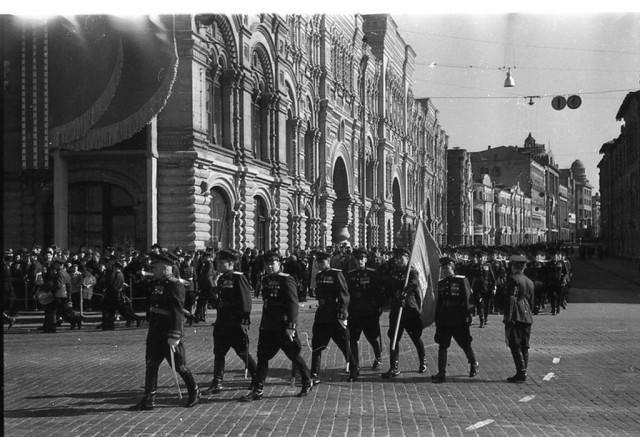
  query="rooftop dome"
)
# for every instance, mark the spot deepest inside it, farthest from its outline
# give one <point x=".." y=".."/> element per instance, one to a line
<point x="579" y="172"/>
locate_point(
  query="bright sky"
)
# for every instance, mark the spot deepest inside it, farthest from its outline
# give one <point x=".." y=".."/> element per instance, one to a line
<point x="459" y="60"/>
<point x="462" y="48"/>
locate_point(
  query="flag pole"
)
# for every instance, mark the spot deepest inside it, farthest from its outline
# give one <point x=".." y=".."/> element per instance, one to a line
<point x="406" y="281"/>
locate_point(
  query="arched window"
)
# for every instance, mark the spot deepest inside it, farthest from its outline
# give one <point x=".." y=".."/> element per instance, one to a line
<point x="101" y="214"/>
<point x="220" y="220"/>
<point x="260" y="112"/>
<point x="309" y="155"/>
<point x="216" y="105"/>
<point x="290" y="139"/>
<point x="261" y="224"/>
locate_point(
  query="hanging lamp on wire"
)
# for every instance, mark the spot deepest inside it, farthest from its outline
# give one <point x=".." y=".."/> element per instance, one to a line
<point x="509" y="82"/>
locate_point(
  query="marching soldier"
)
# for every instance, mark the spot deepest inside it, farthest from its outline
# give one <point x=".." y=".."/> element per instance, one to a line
<point x="278" y="327"/>
<point x="408" y="298"/>
<point x="538" y="274"/>
<point x="453" y="317"/>
<point x="499" y="266"/>
<point x="231" y="328"/>
<point x="330" y="320"/>
<point x="365" y="307"/>
<point x="558" y="279"/>
<point x="483" y="284"/>
<point x="165" y="333"/>
<point x="517" y="316"/>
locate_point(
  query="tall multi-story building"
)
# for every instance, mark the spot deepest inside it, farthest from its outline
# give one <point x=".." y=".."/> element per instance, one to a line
<point x="484" y="216"/>
<point x="568" y="223"/>
<point x="620" y="184"/>
<point x="459" y="197"/>
<point x="583" y="196"/>
<point x="525" y="167"/>
<point x="237" y="131"/>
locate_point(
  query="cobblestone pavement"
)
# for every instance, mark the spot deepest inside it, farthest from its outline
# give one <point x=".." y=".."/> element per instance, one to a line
<point x="584" y="380"/>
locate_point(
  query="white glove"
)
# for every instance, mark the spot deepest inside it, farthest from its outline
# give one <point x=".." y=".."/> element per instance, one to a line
<point x="291" y="333"/>
<point x="173" y="342"/>
<point x="343" y="323"/>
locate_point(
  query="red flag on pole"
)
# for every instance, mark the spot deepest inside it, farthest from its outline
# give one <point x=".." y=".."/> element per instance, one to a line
<point x="425" y="258"/>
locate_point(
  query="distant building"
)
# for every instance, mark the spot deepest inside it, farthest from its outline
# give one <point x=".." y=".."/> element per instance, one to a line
<point x="459" y="198"/>
<point x="583" y="201"/>
<point x="525" y="167"/>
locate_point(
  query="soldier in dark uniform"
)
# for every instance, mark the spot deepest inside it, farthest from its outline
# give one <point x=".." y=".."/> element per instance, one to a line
<point x="113" y="294"/>
<point x="205" y="274"/>
<point x="231" y="328"/>
<point x="517" y="316"/>
<point x="278" y="326"/>
<point x="453" y="317"/>
<point x="538" y="274"/>
<point x="500" y="271"/>
<point x="483" y="283"/>
<point x="557" y="281"/>
<point x="409" y="299"/>
<point x="365" y="307"/>
<point x="165" y="333"/>
<point x="330" y="322"/>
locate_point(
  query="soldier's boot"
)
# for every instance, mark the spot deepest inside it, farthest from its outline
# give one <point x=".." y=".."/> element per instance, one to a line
<point x="521" y="373"/>
<point x="423" y="365"/>
<point x="525" y="359"/>
<point x="192" y="388"/>
<point x="306" y="389"/>
<point x="148" y="401"/>
<point x="218" y="375"/>
<point x="393" y="371"/>
<point x="377" y="362"/>
<point x="315" y="367"/>
<point x="354" y="372"/>
<point x="473" y="364"/>
<point x="253" y="395"/>
<point x="441" y="376"/>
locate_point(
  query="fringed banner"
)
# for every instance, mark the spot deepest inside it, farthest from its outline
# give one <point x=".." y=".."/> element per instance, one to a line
<point x="113" y="75"/>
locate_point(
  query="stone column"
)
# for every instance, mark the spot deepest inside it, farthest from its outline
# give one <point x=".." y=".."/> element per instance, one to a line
<point x="60" y="200"/>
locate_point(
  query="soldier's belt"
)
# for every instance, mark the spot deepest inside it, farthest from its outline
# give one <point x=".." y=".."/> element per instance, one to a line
<point x="159" y="311"/>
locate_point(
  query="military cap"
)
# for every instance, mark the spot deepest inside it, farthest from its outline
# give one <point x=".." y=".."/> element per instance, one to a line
<point x="271" y="255"/>
<point x="49" y="250"/>
<point x="322" y="255"/>
<point x="119" y="261"/>
<point x="360" y="253"/>
<point x="227" y="255"/>
<point x="446" y="260"/>
<point x="400" y="251"/>
<point x="161" y="258"/>
<point x="518" y="259"/>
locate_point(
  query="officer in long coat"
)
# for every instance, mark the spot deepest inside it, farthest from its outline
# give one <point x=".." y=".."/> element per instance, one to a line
<point x="365" y="306"/>
<point x="164" y="337"/>
<point x="330" y="321"/>
<point x="231" y="328"/>
<point x="454" y="307"/>
<point x="409" y="299"/>
<point x="278" y="326"/>
<point x="517" y="316"/>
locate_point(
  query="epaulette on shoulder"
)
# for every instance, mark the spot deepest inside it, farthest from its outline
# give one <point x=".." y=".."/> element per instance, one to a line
<point x="370" y="269"/>
<point x="283" y="274"/>
<point x="235" y="272"/>
<point x="336" y="270"/>
<point x="460" y="276"/>
<point x="353" y="270"/>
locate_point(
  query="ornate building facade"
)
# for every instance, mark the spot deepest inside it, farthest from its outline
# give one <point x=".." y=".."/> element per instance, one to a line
<point x="274" y="132"/>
